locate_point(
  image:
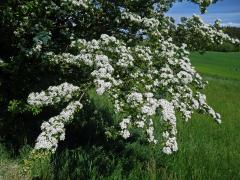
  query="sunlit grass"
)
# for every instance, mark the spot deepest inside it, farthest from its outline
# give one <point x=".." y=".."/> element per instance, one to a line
<point x="208" y="150"/>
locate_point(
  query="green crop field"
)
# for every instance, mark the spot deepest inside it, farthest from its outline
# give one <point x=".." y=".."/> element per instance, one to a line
<point x="207" y="150"/>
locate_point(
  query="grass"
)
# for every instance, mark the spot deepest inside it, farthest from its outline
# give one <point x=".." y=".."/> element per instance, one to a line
<point x="207" y="150"/>
<point x="9" y="167"/>
<point x="218" y="64"/>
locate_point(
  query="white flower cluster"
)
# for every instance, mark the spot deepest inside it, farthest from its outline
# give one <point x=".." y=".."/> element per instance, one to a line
<point x="206" y="32"/>
<point x="149" y="23"/>
<point x="53" y="95"/>
<point x="168" y="114"/>
<point x="131" y="16"/>
<point x="135" y="98"/>
<point x="38" y="47"/>
<point x="125" y="57"/>
<point x="184" y="77"/>
<point x="103" y="74"/>
<point x="150" y="132"/>
<point x="53" y="130"/>
<point x="67" y="58"/>
<point x="83" y="3"/>
<point x="174" y="79"/>
<point x="124" y="127"/>
<point x="203" y="4"/>
<point x="91" y="53"/>
<point x="144" y="53"/>
<point x="150" y="105"/>
<point x="204" y="106"/>
<point x="204" y="1"/>
<point x="143" y="80"/>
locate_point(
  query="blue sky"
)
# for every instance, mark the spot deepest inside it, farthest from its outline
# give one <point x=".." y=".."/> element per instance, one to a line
<point x="226" y="10"/>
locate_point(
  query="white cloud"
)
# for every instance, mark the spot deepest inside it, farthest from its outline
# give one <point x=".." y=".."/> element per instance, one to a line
<point x="231" y="24"/>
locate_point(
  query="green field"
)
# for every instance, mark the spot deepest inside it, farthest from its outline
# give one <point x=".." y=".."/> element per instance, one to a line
<point x="207" y="150"/>
<point x="222" y="65"/>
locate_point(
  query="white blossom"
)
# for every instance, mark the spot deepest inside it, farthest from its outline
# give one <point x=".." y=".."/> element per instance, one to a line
<point x="152" y="78"/>
<point x="54" y="130"/>
<point x="53" y="95"/>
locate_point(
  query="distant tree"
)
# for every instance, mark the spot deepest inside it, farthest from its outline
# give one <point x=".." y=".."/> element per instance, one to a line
<point x="233" y="32"/>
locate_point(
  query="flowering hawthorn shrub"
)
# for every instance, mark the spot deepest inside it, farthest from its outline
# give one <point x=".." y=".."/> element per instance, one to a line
<point x="128" y="51"/>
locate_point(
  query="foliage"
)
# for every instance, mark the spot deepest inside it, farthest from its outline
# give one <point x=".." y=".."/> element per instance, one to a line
<point x="126" y="51"/>
<point x="9" y="166"/>
<point x="225" y="47"/>
<point x="194" y="32"/>
<point x="232" y="31"/>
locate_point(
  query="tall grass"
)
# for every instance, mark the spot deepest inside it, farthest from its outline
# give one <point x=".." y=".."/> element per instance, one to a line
<point x="207" y="150"/>
<point x="9" y="166"/>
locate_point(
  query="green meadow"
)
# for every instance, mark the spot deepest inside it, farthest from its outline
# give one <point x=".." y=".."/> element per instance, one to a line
<point x="206" y="150"/>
